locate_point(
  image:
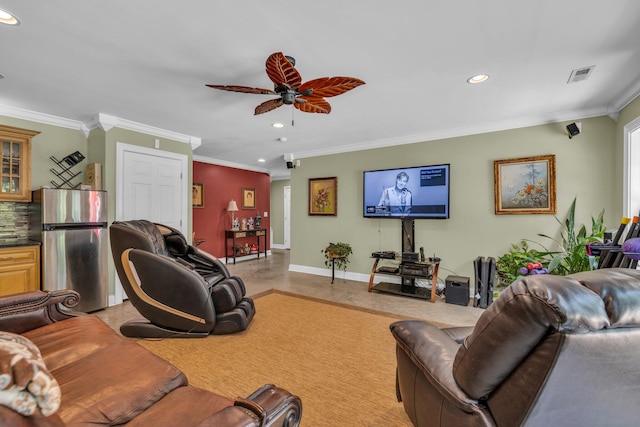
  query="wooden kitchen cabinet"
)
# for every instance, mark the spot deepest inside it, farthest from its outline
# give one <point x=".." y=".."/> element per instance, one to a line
<point x="19" y="269"/>
<point x="15" y="172"/>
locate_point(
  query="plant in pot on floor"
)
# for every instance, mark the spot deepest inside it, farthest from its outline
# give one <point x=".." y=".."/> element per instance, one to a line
<point x="570" y="257"/>
<point x="338" y="253"/>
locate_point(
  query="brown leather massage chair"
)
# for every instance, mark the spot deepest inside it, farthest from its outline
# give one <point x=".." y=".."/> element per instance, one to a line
<point x="180" y="290"/>
<point x="549" y="351"/>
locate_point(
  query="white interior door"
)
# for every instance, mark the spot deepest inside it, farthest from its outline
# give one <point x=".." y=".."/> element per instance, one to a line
<point x="153" y="189"/>
<point x="153" y="185"/>
<point x="287" y="217"/>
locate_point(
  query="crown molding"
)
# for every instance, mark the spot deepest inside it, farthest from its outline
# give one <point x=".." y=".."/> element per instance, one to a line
<point x="234" y="165"/>
<point x="107" y="122"/>
<point x="623" y="99"/>
<point x="457" y="132"/>
<point x="275" y="175"/>
<point x="101" y="120"/>
<point x="33" y="116"/>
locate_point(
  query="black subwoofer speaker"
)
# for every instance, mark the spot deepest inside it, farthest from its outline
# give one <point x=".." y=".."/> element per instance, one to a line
<point x="457" y="290"/>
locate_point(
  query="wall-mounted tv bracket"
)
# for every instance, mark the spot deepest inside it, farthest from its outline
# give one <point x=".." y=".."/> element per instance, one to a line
<point x="65" y="174"/>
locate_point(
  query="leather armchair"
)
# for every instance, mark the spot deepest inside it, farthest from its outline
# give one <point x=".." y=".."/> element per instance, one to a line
<point x="550" y="350"/>
<point x="177" y="288"/>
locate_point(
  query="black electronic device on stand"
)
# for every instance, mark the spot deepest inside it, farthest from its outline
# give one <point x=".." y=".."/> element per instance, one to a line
<point x="485" y="272"/>
<point x="408" y="235"/>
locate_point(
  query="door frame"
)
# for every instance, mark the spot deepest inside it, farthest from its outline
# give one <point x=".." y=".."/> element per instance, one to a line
<point x="631" y="180"/>
<point x="121" y="149"/>
<point x="287" y="217"/>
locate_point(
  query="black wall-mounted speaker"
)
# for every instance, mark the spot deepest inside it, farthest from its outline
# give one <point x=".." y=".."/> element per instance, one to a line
<point x="572" y="130"/>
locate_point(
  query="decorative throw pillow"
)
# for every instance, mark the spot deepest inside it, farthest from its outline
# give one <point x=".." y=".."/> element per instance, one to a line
<point x="25" y="382"/>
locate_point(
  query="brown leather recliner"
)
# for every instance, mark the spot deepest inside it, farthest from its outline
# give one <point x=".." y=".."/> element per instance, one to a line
<point x="179" y="289"/>
<point x="550" y="351"/>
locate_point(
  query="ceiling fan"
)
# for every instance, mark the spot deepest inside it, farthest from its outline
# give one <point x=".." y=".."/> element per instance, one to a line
<point x="307" y="97"/>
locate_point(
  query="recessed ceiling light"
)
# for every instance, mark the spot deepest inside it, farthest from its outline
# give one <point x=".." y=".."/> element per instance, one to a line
<point x="8" y="18"/>
<point x="277" y="125"/>
<point x="261" y="160"/>
<point x="478" y="78"/>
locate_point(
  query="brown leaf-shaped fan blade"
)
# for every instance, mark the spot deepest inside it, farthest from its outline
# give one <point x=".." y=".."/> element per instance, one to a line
<point x="280" y="71"/>
<point x="314" y="104"/>
<point x="331" y="86"/>
<point x="267" y="106"/>
<point x="244" y="89"/>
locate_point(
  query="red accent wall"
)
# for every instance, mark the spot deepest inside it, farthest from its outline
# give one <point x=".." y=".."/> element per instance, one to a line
<point x="221" y="184"/>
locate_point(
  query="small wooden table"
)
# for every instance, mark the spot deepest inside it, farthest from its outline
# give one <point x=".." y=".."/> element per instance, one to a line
<point x="239" y="234"/>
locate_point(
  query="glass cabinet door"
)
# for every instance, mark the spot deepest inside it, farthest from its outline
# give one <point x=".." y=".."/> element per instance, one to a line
<point x="15" y="179"/>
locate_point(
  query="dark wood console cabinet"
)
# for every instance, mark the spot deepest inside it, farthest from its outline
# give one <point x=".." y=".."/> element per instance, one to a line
<point x="240" y="234"/>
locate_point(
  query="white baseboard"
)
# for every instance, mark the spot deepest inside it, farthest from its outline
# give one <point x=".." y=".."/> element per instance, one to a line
<point x="346" y="275"/>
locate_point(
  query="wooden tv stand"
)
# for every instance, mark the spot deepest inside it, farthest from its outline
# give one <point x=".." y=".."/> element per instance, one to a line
<point x="430" y="273"/>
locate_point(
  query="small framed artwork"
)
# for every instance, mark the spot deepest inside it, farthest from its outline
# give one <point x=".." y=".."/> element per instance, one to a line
<point x="525" y="186"/>
<point x="323" y="196"/>
<point x="198" y="195"/>
<point x="248" y="198"/>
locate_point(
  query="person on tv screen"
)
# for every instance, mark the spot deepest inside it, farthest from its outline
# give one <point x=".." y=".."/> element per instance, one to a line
<point x="397" y="199"/>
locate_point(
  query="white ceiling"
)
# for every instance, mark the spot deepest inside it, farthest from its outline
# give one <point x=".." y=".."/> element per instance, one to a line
<point x="147" y="62"/>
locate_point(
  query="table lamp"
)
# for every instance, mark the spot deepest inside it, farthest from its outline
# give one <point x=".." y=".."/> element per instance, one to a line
<point x="233" y="206"/>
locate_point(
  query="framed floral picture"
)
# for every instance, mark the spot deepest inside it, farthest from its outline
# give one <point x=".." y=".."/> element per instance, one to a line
<point x="525" y="186"/>
<point x="323" y="196"/>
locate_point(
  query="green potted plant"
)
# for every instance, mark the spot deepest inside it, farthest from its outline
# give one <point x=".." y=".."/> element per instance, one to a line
<point x="509" y="266"/>
<point x="337" y="253"/>
<point x="570" y="257"/>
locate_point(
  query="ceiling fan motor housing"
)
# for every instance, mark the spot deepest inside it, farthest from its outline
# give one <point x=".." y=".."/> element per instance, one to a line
<point x="288" y="97"/>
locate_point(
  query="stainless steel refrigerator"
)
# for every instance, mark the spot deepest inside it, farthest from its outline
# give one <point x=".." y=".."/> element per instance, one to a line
<point x="72" y="227"/>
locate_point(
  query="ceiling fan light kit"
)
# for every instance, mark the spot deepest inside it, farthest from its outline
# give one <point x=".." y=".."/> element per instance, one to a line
<point x="307" y="97"/>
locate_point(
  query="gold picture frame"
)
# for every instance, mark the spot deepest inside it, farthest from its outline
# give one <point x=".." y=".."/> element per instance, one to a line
<point x="248" y="198"/>
<point x="323" y="196"/>
<point x="197" y="195"/>
<point x="525" y="186"/>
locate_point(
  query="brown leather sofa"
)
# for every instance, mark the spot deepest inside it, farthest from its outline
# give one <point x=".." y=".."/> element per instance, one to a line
<point x="549" y="351"/>
<point x="105" y="379"/>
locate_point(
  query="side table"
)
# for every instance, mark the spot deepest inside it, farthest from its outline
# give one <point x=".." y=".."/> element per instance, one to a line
<point x="239" y="234"/>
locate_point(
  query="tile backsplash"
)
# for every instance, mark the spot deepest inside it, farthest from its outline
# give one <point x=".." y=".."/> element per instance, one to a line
<point x="14" y="221"/>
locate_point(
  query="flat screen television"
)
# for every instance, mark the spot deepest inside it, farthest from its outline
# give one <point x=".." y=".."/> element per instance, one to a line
<point x="413" y="192"/>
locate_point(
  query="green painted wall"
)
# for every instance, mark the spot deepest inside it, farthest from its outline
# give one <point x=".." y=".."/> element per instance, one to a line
<point x="52" y="141"/>
<point x="102" y="149"/>
<point x="277" y="210"/>
<point x="99" y="147"/>
<point x="584" y="167"/>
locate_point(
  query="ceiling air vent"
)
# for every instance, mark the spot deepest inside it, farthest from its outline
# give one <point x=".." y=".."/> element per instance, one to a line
<point x="580" y="74"/>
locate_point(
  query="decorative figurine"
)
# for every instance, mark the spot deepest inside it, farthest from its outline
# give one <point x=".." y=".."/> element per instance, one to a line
<point x="250" y="222"/>
<point x="236" y="223"/>
<point x="258" y="221"/>
<point x="244" y="223"/>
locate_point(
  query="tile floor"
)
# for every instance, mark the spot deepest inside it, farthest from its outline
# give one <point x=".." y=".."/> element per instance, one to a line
<point x="273" y="273"/>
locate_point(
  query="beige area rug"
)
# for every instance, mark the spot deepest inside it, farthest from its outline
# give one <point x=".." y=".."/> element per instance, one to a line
<point x="338" y="358"/>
